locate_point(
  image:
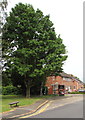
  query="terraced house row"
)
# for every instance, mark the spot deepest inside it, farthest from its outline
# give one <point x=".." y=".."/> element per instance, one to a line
<point x="69" y="82"/>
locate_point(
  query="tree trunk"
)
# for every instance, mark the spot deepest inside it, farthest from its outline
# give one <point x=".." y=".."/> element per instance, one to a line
<point x="41" y="89"/>
<point x="41" y="92"/>
<point x="27" y="91"/>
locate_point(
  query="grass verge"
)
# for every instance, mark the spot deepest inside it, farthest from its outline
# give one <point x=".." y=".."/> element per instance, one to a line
<point x="6" y="99"/>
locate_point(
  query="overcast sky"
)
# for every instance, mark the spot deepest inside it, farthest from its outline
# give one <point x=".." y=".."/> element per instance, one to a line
<point x="67" y="16"/>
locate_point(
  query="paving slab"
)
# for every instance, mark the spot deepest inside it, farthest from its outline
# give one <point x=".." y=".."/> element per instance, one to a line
<point x="23" y="110"/>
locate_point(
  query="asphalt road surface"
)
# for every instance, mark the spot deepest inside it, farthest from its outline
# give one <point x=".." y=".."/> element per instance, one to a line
<point x="67" y="108"/>
<point x="73" y="110"/>
<point x="71" y="107"/>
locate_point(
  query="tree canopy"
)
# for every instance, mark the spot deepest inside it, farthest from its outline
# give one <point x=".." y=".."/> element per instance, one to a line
<point x="3" y="14"/>
<point x="31" y="48"/>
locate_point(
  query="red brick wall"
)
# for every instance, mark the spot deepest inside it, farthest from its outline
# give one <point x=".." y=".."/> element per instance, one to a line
<point x="52" y="80"/>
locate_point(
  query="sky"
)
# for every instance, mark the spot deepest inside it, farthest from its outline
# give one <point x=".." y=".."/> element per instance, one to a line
<point x="67" y="17"/>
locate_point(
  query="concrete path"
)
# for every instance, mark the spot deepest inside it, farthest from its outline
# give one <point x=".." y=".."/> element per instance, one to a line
<point x="21" y="111"/>
<point x="27" y="110"/>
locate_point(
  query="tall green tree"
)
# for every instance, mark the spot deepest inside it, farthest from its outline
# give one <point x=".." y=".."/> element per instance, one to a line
<point x="3" y="14"/>
<point x="31" y="46"/>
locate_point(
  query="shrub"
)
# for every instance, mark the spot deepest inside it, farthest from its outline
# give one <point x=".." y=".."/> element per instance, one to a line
<point x="11" y="90"/>
<point x="77" y="92"/>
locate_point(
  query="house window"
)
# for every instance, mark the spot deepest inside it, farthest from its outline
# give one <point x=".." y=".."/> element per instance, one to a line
<point x="74" y="87"/>
<point x="53" y="78"/>
<point x="64" y="79"/>
<point x="67" y="79"/>
<point x="55" y="87"/>
<point x="70" y="87"/>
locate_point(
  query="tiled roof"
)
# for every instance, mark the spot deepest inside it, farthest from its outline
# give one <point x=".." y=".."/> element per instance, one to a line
<point x="63" y="74"/>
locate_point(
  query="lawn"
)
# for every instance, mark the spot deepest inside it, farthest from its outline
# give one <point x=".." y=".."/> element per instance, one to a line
<point x="6" y="99"/>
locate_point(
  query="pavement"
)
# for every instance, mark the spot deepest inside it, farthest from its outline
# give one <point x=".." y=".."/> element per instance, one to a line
<point x="27" y="110"/>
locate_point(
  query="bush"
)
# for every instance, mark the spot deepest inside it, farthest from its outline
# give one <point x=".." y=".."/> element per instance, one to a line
<point x="11" y="90"/>
<point x="77" y="92"/>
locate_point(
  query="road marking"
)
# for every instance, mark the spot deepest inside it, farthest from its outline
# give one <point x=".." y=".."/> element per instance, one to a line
<point x="30" y="111"/>
<point x="67" y="98"/>
<point x="65" y="104"/>
<point x="44" y="108"/>
<point x="58" y="106"/>
<point x="38" y="112"/>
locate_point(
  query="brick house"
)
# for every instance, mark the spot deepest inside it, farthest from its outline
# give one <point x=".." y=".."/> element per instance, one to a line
<point x="70" y="82"/>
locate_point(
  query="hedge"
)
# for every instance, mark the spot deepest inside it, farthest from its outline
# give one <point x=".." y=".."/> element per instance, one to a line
<point x="77" y="92"/>
<point x="11" y="90"/>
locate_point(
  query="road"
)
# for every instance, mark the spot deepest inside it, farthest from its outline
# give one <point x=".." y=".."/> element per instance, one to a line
<point x="73" y="110"/>
<point x="65" y="108"/>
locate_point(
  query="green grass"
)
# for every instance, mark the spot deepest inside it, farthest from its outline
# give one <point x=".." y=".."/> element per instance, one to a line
<point x="6" y="99"/>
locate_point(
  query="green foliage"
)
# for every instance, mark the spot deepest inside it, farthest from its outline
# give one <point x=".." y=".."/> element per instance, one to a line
<point x="6" y="99"/>
<point x="11" y="90"/>
<point x="77" y="92"/>
<point x="6" y="78"/>
<point x="31" y="48"/>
